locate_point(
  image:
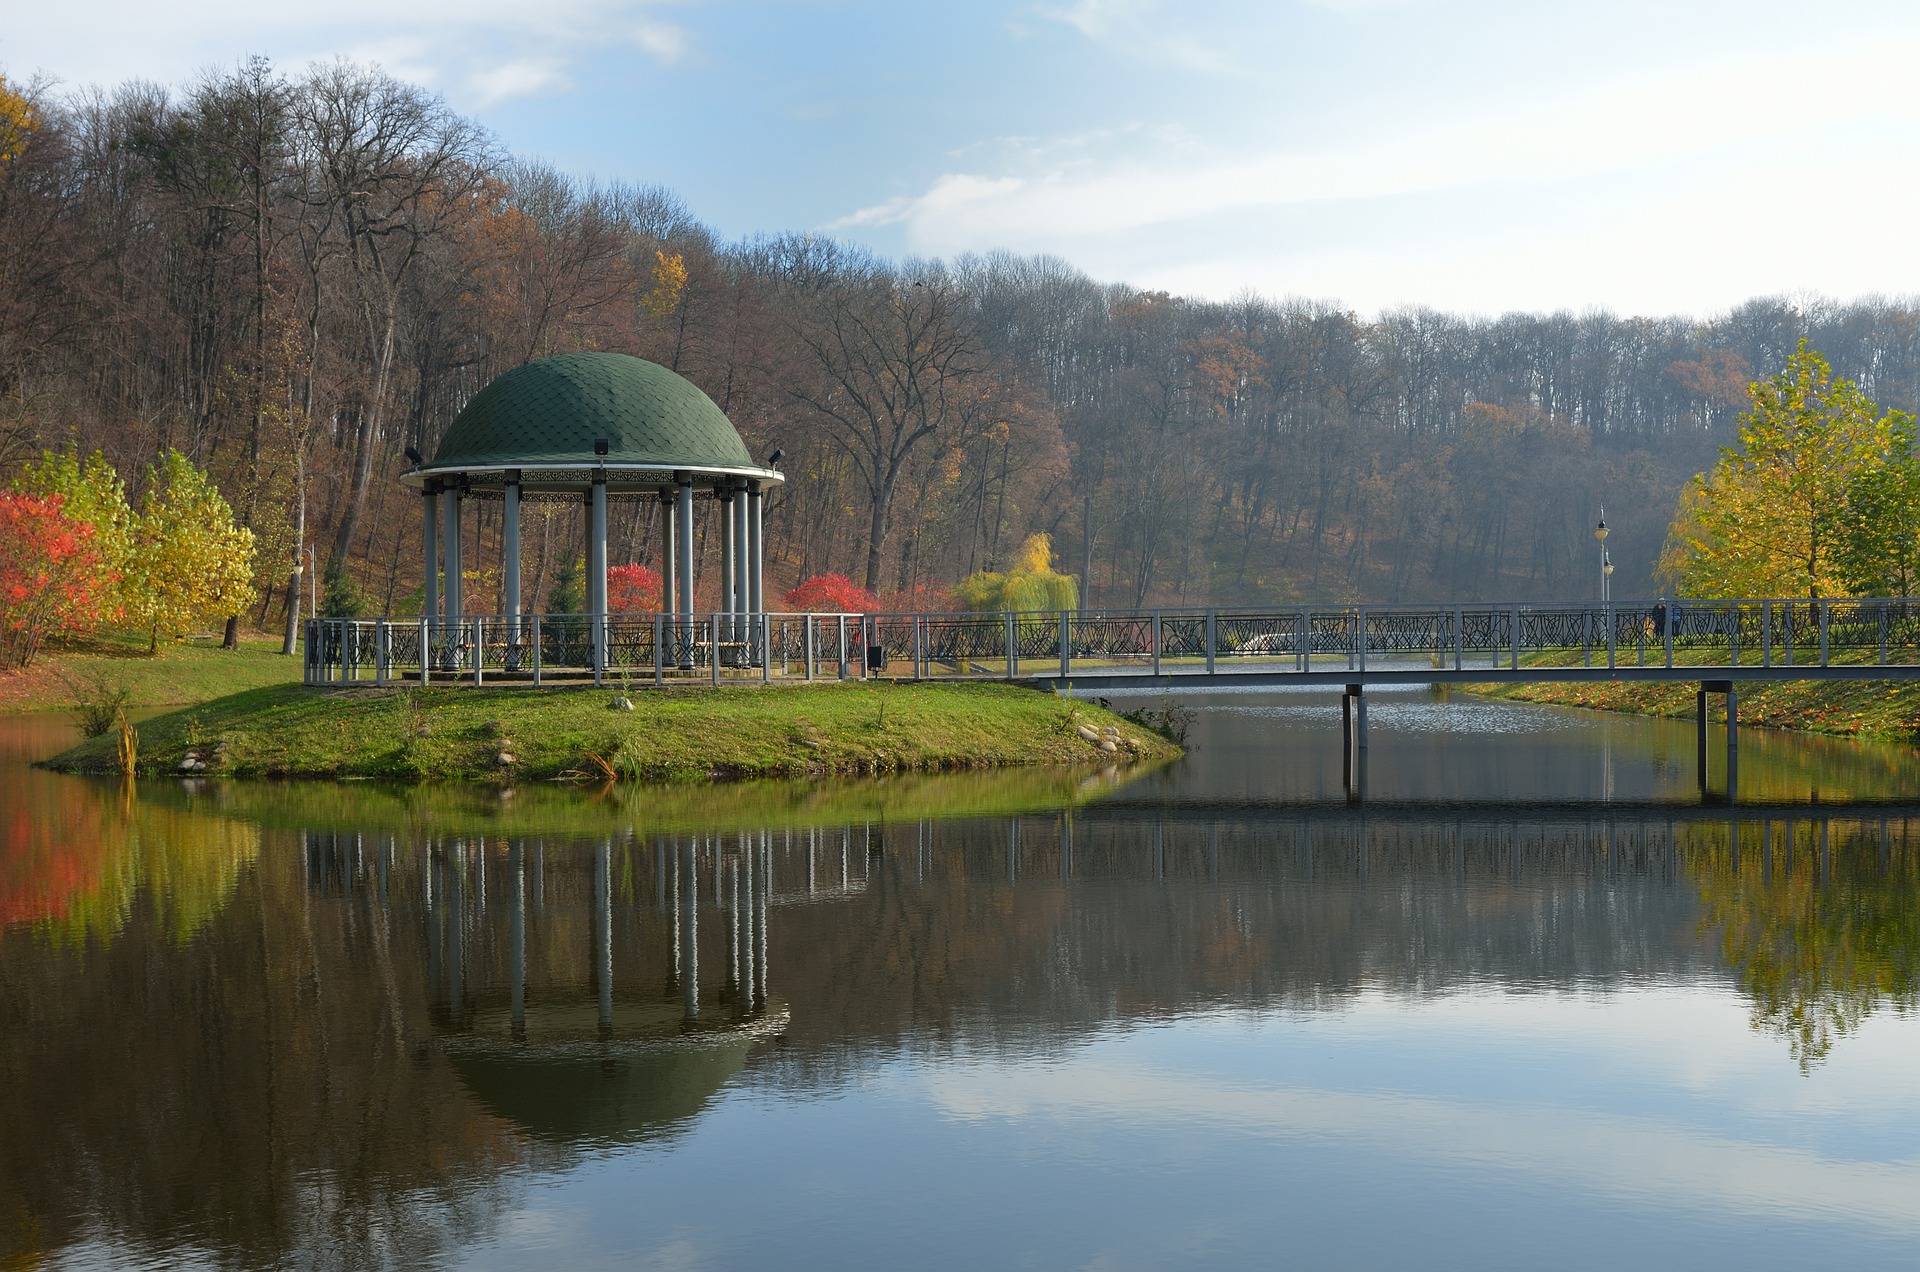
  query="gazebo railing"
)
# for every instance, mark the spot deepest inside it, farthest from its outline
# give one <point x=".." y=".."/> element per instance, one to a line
<point x="1459" y="638"/>
<point x="621" y="647"/>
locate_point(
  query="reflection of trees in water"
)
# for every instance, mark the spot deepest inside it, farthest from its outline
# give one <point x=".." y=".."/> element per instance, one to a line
<point x="334" y="1069"/>
<point x="330" y="1048"/>
<point x="254" y="1089"/>
<point x="71" y="869"/>
<point x="1820" y="920"/>
<point x="977" y="943"/>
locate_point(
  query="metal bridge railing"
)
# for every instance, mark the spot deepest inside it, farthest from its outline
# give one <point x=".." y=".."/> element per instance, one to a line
<point x="1164" y="642"/>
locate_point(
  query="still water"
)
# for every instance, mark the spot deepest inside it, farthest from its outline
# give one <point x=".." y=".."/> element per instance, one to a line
<point x="1529" y="1001"/>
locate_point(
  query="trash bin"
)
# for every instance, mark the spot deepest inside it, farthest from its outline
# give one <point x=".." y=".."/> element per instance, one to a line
<point x="876" y="658"/>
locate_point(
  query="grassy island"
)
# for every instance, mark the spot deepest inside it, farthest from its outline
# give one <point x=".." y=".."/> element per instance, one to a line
<point x="507" y="735"/>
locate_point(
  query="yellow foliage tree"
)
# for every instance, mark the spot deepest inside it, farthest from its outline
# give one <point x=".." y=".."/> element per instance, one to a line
<point x="1029" y="586"/>
<point x="669" y="284"/>
<point x="189" y="561"/>
<point x="19" y="121"/>
<point x="1770" y="518"/>
<point x="93" y="493"/>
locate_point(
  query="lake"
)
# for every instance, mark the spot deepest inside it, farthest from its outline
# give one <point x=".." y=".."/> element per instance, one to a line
<point x="1528" y="1000"/>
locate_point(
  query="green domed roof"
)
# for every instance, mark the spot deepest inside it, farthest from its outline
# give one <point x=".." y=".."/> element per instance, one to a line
<point x="551" y="412"/>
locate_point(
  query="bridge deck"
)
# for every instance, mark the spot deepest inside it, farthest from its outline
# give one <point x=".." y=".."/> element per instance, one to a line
<point x="1483" y="642"/>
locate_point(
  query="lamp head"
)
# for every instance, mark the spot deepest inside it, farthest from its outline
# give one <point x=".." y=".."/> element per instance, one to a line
<point x="413" y="457"/>
<point x="773" y="460"/>
<point x="599" y="445"/>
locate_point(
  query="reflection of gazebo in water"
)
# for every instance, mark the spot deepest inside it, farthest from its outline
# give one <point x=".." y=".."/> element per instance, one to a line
<point x="579" y="1063"/>
<point x="593" y="429"/>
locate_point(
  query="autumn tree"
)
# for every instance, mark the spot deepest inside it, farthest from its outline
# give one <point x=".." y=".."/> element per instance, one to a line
<point x="1770" y="518"/>
<point x="189" y="561"/>
<point x="632" y="589"/>
<point x="90" y="490"/>
<point x="1030" y="585"/>
<point x="1879" y="549"/>
<point x="50" y="575"/>
<point x="831" y="594"/>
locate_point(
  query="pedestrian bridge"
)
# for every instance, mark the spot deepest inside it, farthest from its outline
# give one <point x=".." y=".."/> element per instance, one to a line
<point x="1195" y="649"/>
<point x="1712" y="644"/>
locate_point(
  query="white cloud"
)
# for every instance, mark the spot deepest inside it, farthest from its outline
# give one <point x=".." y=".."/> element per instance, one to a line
<point x="1730" y="1151"/>
<point x="1098" y="19"/>
<point x="524" y="77"/>
<point x="1647" y="189"/>
<point x="662" y="41"/>
<point x="1637" y="1159"/>
<point x="1155" y="32"/>
<point x="479" y="52"/>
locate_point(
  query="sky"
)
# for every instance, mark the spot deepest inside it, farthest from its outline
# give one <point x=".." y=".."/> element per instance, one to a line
<point x="1480" y="156"/>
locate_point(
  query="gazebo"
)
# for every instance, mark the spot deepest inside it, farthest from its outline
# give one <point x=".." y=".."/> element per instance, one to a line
<point x="595" y="427"/>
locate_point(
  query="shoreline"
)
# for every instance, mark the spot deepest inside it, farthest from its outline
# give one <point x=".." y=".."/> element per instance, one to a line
<point x="1879" y="711"/>
<point x="508" y="735"/>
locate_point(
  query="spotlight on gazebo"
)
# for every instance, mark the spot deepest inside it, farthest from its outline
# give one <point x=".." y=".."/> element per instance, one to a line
<point x="773" y="460"/>
<point x="414" y="457"/>
<point x="599" y="445"/>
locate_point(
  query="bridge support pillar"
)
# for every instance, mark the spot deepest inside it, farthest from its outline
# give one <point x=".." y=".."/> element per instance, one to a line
<point x="1353" y="737"/>
<point x="1733" y="742"/>
<point x="1725" y="688"/>
<point x="1700" y="736"/>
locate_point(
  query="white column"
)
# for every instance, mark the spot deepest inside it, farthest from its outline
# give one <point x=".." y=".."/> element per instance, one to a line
<point x="669" y="560"/>
<point x="430" y="543"/>
<point x="453" y="600"/>
<point x="510" y="567"/>
<point x="740" y="569"/>
<point x="729" y="555"/>
<point x="756" y="549"/>
<point x="683" y="540"/>
<point x="597" y="570"/>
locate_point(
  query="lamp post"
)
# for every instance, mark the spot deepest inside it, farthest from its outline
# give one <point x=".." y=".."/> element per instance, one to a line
<point x="1606" y="565"/>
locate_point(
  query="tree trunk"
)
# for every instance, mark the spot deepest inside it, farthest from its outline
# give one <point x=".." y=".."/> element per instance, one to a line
<point x="292" y="638"/>
<point x="877" y="530"/>
<point x="231" y="640"/>
<point x="372" y="425"/>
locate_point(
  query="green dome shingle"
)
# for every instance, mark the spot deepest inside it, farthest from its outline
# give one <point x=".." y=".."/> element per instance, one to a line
<point x="552" y="410"/>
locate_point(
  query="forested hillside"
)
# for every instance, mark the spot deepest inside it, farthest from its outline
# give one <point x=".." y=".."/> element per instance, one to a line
<point x="291" y="278"/>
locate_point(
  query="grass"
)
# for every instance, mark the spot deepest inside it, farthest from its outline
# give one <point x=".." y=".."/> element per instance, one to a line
<point x="182" y="672"/>
<point x="510" y="734"/>
<point x="1875" y="710"/>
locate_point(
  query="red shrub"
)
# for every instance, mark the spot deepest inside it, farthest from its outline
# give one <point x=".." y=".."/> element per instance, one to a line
<point x="832" y="594"/>
<point x="50" y="575"/>
<point x="632" y="589"/>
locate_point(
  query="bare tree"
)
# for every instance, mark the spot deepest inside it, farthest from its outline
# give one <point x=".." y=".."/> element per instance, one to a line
<point x="387" y="167"/>
<point x="888" y="360"/>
